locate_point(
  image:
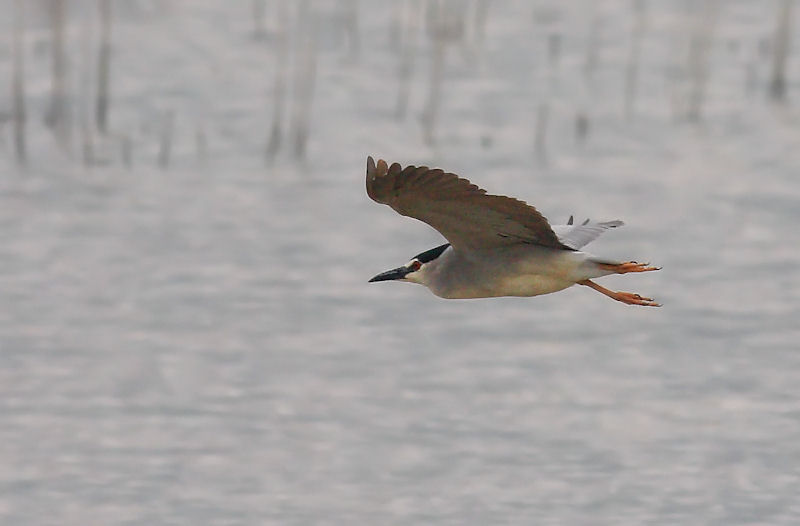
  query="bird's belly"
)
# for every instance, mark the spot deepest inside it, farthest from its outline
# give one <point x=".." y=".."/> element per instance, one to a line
<point x="521" y="285"/>
<point x="532" y="285"/>
<point x="525" y="271"/>
<point x="545" y="272"/>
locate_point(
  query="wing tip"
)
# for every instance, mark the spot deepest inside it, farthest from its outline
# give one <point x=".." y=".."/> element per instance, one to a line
<point x="375" y="170"/>
<point x="375" y="174"/>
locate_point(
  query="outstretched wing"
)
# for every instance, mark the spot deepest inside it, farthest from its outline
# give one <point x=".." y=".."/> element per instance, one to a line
<point x="463" y="213"/>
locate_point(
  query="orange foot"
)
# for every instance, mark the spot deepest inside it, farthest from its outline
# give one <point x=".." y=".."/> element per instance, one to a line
<point x="625" y="297"/>
<point x="628" y="266"/>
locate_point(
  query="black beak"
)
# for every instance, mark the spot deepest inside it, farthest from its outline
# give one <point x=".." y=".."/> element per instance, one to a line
<point x="396" y="273"/>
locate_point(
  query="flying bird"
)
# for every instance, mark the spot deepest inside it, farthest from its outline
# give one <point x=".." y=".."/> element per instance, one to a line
<point x="496" y="245"/>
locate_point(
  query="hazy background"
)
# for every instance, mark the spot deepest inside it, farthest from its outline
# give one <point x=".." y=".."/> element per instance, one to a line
<point x="186" y="331"/>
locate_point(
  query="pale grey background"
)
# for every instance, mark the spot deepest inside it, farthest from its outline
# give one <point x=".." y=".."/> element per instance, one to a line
<point x="197" y="344"/>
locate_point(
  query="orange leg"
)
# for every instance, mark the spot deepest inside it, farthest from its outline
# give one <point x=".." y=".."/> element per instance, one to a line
<point x="625" y="297"/>
<point x="628" y="266"/>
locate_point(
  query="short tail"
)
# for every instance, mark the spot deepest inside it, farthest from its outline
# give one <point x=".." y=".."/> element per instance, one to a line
<point x="578" y="236"/>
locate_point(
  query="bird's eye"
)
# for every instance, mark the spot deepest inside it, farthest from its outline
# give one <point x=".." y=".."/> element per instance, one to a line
<point x="415" y="265"/>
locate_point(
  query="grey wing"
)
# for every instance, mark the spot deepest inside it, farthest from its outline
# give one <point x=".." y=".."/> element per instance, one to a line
<point x="463" y="213"/>
<point x="576" y="236"/>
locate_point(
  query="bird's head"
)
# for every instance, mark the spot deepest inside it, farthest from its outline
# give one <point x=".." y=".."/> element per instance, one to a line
<point x="416" y="270"/>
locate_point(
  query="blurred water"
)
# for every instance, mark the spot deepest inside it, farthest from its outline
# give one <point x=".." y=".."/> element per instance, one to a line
<point x="199" y="345"/>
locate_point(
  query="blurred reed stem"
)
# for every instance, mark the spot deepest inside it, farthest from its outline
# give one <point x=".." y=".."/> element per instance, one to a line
<point x="103" y="67"/>
<point x="632" y="69"/>
<point x="592" y="48"/>
<point x="699" y="48"/>
<point x="57" y="115"/>
<point x="165" y="142"/>
<point x="350" y="23"/>
<point x="781" y="45"/>
<point x="84" y="109"/>
<point x="445" y="25"/>
<point x="405" y="42"/>
<point x="540" y="140"/>
<point x="259" y="19"/>
<point x="19" y="115"/>
<point x="279" y="83"/>
<point x="304" y="78"/>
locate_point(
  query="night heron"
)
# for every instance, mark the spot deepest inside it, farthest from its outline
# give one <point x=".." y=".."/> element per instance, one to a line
<point x="497" y="245"/>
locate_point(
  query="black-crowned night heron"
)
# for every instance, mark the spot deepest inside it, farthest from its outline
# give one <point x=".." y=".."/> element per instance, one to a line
<point x="497" y="245"/>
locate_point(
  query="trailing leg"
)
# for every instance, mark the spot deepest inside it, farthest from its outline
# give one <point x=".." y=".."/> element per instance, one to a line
<point x="625" y="297"/>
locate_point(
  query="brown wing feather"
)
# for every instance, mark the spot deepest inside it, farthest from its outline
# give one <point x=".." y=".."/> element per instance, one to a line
<point x="464" y="213"/>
